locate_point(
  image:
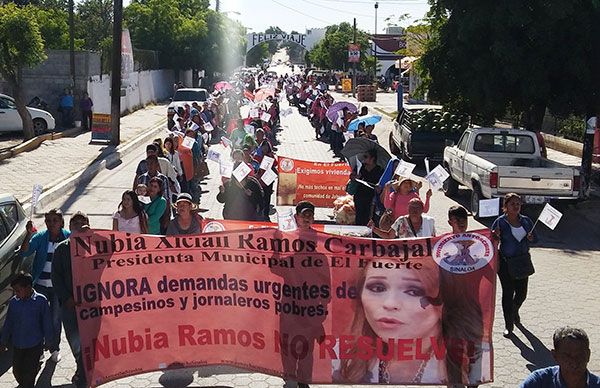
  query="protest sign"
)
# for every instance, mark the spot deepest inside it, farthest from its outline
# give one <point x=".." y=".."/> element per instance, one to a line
<point x="264" y="116"/>
<point x="188" y="142"/>
<point x="437" y="177"/>
<point x="208" y="127"/>
<point x="253" y="113"/>
<point x="213" y="155"/>
<point x="266" y="163"/>
<point x="268" y="177"/>
<point x="427" y="169"/>
<point x="550" y="216"/>
<point x="146" y="303"/>
<point x="226" y="142"/>
<point x="405" y="169"/>
<point x="489" y="207"/>
<point x="226" y="168"/>
<point x="35" y="197"/>
<point x="241" y="172"/>
<point x="287" y="112"/>
<point x="318" y="182"/>
<point x="286" y="220"/>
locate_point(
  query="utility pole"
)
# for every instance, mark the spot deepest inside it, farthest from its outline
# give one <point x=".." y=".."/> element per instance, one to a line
<point x="218" y="6"/>
<point x="72" y="42"/>
<point x="354" y="64"/>
<point x="115" y="77"/>
<point x="375" y="43"/>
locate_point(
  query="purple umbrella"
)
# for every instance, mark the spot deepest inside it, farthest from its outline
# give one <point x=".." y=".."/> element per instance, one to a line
<point x="332" y="112"/>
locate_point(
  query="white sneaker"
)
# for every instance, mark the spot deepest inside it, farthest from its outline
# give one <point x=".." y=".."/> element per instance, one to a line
<point x="55" y="357"/>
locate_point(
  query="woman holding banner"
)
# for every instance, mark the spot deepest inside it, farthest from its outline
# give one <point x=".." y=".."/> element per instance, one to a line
<point x="515" y="232"/>
<point x="428" y="308"/>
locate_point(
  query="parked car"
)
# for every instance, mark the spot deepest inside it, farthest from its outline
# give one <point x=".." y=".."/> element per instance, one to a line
<point x="418" y="134"/>
<point x="185" y="96"/>
<point x="10" y="121"/>
<point x="492" y="162"/>
<point x="12" y="234"/>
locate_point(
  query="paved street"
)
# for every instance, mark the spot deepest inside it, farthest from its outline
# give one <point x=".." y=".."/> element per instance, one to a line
<point x="562" y="292"/>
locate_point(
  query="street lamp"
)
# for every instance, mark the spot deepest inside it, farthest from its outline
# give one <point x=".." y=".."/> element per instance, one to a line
<point x="375" y="42"/>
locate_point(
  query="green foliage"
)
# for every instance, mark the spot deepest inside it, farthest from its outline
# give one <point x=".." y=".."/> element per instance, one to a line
<point x="525" y="56"/>
<point x="54" y="27"/>
<point x="332" y="51"/>
<point x="179" y="30"/>
<point x="21" y="43"/>
<point x="257" y="54"/>
<point x="295" y="51"/>
<point x="573" y="127"/>
<point x="94" y="23"/>
<point x="273" y="44"/>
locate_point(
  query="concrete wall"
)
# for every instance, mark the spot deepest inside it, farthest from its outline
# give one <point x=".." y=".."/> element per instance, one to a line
<point x="51" y="77"/>
<point x="144" y="87"/>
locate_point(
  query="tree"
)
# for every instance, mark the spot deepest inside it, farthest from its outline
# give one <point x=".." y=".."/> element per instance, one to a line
<point x="491" y="58"/>
<point x="21" y="45"/>
<point x="95" y="22"/>
<point x="295" y="51"/>
<point x="332" y="51"/>
<point x="274" y="44"/>
<point x="257" y="54"/>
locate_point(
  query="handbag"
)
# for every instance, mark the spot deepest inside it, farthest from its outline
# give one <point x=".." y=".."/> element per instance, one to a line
<point x="519" y="266"/>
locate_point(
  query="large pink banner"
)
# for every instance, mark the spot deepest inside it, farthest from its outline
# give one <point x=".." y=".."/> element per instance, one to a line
<point x="307" y="306"/>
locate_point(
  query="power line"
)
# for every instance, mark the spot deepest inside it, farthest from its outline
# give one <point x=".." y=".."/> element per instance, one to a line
<point x="300" y="12"/>
<point x="394" y="2"/>
<point x="340" y="10"/>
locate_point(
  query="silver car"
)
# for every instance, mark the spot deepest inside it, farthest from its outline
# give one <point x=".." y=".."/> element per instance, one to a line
<point x="12" y="234"/>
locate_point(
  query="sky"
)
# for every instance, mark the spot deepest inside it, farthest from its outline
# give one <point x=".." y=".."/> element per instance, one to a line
<point x="299" y="15"/>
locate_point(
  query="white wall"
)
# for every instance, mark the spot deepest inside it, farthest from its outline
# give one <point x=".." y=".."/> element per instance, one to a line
<point x="144" y="87"/>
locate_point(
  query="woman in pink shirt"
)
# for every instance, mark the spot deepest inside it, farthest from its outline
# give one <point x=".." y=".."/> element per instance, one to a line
<point x="404" y="190"/>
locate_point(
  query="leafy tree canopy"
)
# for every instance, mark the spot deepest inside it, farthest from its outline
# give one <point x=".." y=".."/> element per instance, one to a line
<point x="491" y="58"/>
<point x="332" y="51"/>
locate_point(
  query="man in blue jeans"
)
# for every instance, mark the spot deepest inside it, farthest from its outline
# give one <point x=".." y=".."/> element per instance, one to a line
<point x="62" y="279"/>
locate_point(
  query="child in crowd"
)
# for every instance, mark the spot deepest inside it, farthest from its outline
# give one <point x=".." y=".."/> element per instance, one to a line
<point x="27" y="328"/>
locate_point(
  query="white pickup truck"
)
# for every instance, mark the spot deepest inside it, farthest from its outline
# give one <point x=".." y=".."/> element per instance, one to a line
<point x="492" y="162"/>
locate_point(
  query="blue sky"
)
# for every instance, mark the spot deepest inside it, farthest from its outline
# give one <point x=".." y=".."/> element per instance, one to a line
<point x="302" y="14"/>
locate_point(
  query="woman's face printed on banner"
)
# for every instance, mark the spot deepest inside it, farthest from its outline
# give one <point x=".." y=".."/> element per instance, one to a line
<point x="401" y="303"/>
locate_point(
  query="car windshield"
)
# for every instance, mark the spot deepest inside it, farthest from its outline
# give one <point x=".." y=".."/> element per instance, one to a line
<point x="190" y="95"/>
<point x="504" y="143"/>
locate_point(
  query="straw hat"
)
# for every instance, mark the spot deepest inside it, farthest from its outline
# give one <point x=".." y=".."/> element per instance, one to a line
<point x="187" y="198"/>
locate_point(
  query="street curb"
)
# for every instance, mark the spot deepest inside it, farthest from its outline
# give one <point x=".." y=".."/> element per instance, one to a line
<point x="34" y="143"/>
<point x="59" y="187"/>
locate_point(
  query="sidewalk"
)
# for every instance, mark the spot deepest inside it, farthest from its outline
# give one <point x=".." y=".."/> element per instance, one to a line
<point x="55" y="161"/>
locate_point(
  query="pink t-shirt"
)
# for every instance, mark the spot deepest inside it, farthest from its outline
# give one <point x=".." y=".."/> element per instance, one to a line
<point x="399" y="203"/>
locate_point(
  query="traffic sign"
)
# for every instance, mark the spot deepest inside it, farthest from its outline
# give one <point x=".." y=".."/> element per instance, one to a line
<point x="353" y="53"/>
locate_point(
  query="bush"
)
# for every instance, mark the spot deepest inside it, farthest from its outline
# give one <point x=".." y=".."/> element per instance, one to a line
<point x="572" y="127"/>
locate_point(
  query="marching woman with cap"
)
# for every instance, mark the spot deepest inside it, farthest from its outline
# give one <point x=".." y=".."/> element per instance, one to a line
<point x="186" y="221"/>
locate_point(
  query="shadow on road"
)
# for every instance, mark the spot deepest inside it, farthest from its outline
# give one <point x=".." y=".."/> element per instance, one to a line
<point x="538" y="355"/>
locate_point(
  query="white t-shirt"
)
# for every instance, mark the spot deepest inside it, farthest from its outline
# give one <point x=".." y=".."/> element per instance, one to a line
<point x="403" y="230"/>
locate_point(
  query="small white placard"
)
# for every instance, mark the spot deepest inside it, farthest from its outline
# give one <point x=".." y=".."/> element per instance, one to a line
<point x="550" y="216"/>
<point x="489" y="207"/>
<point x="253" y="113"/>
<point x="405" y="169"/>
<point x="309" y="101"/>
<point x="265" y="116"/>
<point x="436" y="177"/>
<point x="268" y="177"/>
<point x="286" y="221"/>
<point x="427" y="169"/>
<point x="241" y="172"/>
<point x="35" y="197"/>
<point x="348" y="135"/>
<point x="266" y="163"/>
<point x="213" y="155"/>
<point x="208" y="127"/>
<point x="188" y="142"/>
<point x="226" y="169"/>
<point x="287" y="112"/>
<point x="226" y="142"/>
